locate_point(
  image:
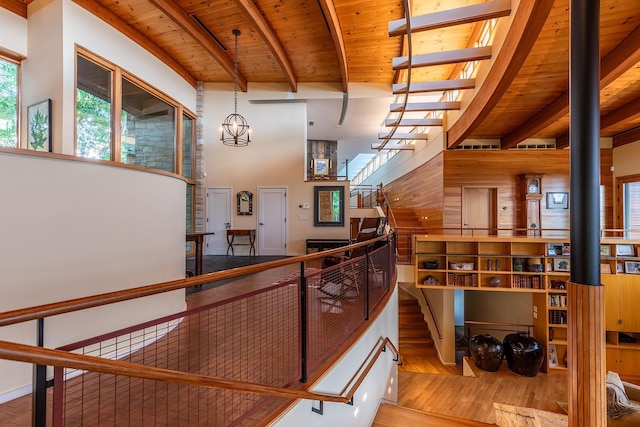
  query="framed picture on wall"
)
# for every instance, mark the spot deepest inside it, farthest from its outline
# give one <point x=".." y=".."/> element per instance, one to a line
<point x="561" y="264"/>
<point x="557" y="200"/>
<point x="321" y="166"/>
<point x="39" y="126"/>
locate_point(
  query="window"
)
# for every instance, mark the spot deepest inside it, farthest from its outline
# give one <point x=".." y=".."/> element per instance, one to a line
<point x="8" y="103"/>
<point x="629" y="187"/>
<point x="121" y="118"/>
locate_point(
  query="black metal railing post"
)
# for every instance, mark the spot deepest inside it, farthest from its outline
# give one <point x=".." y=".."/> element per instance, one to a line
<point x="39" y="393"/>
<point x="304" y="336"/>
<point x="366" y="283"/>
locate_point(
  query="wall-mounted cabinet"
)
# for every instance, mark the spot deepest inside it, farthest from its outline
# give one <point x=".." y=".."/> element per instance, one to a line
<point x="541" y="267"/>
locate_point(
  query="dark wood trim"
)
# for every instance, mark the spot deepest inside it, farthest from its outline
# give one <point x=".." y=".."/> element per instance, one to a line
<point x="440" y="58"/>
<point x="331" y="15"/>
<point x="275" y="46"/>
<point x="627" y="137"/>
<point x="121" y="26"/>
<point x="449" y="18"/>
<point x="523" y="32"/>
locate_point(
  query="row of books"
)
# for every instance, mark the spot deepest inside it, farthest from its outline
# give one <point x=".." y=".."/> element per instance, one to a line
<point x="557" y="317"/>
<point x="557" y="300"/>
<point x="454" y="279"/>
<point x="528" y="282"/>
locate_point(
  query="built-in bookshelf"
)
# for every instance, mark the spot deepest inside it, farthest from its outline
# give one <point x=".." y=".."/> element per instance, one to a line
<point x="541" y="267"/>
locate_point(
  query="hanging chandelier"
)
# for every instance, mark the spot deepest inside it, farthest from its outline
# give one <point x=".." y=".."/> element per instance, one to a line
<point x="235" y="129"/>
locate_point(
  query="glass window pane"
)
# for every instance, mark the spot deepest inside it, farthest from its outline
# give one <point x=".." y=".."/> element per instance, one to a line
<point x="93" y="110"/>
<point x="8" y="104"/>
<point x="148" y="129"/>
<point x="631" y="203"/>
<point x="188" y="144"/>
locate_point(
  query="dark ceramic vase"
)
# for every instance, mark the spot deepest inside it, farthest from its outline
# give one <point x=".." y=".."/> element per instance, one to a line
<point x="486" y="351"/>
<point x="523" y="353"/>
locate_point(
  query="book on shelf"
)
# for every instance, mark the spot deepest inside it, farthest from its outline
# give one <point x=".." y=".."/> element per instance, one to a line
<point x="557" y="317"/>
<point x="455" y="279"/>
<point x="526" y="282"/>
<point x="557" y="300"/>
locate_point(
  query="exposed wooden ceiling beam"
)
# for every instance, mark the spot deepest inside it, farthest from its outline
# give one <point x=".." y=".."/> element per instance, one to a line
<point x="269" y="37"/>
<point x="527" y="23"/>
<point x="619" y="60"/>
<point x="329" y="10"/>
<point x="434" y="86"/>
<point x="426" y="106"/>
<point x="16" y="6"/>
<point x="403" y="136"/>
<point x="448" y="18"/>
<point x="562" y="141"/>
<point x="627" y="137"/>
<point x="394" y="145"/>
<point x="629" y="111"/>
<point x="413" y="122"/>
<point x="123" y="27"/>
<point x="439" y="58"/>
<point x="200" y="36"/>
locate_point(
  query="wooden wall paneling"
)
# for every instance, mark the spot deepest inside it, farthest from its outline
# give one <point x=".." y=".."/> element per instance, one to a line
<point x="606" y="179"/>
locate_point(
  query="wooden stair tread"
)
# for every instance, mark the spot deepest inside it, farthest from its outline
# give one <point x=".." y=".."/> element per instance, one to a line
<point x="393" y="416"/>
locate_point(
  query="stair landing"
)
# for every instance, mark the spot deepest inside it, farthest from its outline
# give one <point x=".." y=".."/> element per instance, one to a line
<point x="394" y="416"/>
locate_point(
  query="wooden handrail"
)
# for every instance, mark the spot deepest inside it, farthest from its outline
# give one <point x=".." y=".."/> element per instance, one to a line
<point x="62" y="359"/>
<point x="56" y="308"/>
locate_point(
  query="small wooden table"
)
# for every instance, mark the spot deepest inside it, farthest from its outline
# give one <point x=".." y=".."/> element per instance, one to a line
<point x="198" y="238"/>
<point x="251" y="234"/>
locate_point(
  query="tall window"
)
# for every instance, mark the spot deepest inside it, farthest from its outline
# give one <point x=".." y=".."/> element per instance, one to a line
<point x="93" y="110"/>
<point x="8" y="103"/>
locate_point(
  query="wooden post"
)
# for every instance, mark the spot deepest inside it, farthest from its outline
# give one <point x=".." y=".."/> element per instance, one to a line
<point x="586" y="356"/>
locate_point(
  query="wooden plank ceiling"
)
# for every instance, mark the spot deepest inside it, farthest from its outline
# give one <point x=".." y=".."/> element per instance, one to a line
<point x="348" y="41"/>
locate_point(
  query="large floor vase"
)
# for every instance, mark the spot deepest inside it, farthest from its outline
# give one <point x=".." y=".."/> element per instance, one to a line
<point x="486" y="351"/>
<point x="523" y="353"/>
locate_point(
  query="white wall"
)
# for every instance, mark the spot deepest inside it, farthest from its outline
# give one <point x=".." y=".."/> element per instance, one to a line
<point x="275" y="158"/>
<point x="13" y="37"/>
<point x="381" y="384"/>
<point x="72" y="229"/>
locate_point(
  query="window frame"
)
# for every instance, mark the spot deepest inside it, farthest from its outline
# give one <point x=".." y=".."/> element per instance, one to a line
<point x="17" y="60"/>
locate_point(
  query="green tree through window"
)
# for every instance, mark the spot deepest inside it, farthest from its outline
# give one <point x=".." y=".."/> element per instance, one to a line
<point x="8" y="104"/>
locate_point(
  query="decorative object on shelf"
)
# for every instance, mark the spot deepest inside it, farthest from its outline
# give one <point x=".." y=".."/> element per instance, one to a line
<point x="566" y="250"/>
<point x="431" y="265"/>
<point x="605" y="250"/>
<point x="431" y="280"/>
<point x="494" y="281"/>
<point x="557" y="200"/>
<point x="523" y="353"/>
<point x="561" y="264"/>
<point x="235" y="129"/>
<point x="534" y="265"/>
<point x="489" y="262"/>
<point x="461" y="265"/>
<point x="605" y="268"/>
<point x="553" y="354"/>
<point x="486" y="351"/>
<point x="619" y="268"/>
<point x="557" y="284"/>
<point x="517" y="264"/>
<point x="497" y="264"/>
<point x="624" y="250"/>
<point x="39" y="126"/>
<point x="632" y="267"/>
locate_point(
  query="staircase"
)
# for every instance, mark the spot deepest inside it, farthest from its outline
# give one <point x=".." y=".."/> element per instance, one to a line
<point x="415" y="338"/>
<point x="405" y="221"/>
<point x="394" y="416"/>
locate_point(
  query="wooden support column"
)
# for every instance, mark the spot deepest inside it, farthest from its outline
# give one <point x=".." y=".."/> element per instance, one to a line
<point x="586" y="356"/>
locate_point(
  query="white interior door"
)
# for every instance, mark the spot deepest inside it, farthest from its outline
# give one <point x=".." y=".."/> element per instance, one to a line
<point x="218" y="220"/>
<point x="272" y="221"/>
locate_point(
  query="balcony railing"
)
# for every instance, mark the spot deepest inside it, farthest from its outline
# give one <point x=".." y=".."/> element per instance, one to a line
<point x="230" y="360"/>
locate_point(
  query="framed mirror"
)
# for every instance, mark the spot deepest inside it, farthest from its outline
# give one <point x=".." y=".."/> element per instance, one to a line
<point x="328" y="206"/>
<point x="245" y="202"/>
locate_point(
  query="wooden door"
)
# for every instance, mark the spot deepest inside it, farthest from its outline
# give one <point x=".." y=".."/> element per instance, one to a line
<point x="479" y="206"/>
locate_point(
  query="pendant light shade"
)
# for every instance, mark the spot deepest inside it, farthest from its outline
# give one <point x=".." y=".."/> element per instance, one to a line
<point x="235" y="129"/>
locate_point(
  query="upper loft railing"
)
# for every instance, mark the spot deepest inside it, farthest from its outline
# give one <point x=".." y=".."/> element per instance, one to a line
<point x="232" y="357"/>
